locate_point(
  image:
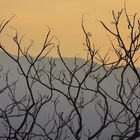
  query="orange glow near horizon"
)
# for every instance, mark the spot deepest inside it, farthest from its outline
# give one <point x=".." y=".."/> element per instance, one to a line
<point x="64" y="19"/>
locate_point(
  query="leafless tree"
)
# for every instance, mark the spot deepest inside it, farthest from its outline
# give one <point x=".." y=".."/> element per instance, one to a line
<point x="127" y="90"/>
<point x="79" y="100"/>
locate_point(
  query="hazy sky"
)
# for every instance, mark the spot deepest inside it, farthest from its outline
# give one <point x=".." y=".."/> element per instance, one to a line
<point x="64" y="18"/>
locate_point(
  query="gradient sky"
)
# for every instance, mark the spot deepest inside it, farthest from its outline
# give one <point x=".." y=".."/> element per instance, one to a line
<point x="64" y="18"/>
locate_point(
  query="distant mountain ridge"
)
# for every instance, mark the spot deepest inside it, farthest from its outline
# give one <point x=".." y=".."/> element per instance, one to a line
<point x="110" y="85"/>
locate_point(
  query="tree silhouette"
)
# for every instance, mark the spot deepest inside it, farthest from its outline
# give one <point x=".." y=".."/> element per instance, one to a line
<point x="82" y="100"/>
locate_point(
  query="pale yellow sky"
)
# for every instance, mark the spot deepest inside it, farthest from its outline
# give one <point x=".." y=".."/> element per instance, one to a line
<point x="64" y="18"/>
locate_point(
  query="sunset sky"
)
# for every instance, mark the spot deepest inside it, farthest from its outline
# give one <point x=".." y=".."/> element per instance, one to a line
<point x="64" y="19"/>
